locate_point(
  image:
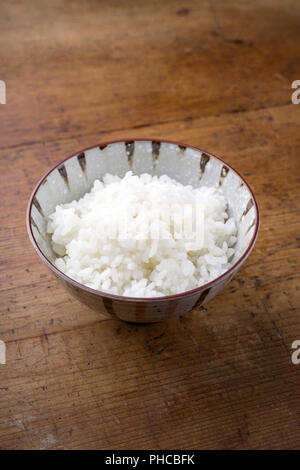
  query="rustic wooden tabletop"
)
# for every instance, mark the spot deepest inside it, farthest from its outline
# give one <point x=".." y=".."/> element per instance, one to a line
<point x="209" y="73"/>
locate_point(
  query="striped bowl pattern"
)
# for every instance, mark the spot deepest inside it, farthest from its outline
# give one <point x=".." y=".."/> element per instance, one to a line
<point x="75" y="176"/>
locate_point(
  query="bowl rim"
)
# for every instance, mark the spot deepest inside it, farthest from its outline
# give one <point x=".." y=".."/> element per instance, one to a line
<point x="99" y="293"/>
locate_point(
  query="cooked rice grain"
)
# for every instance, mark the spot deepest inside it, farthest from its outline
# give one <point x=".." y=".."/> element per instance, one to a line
<point x="131" y="261"/>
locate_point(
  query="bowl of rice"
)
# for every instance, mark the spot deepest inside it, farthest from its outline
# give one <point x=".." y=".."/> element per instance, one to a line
<point x="143" y="230"/>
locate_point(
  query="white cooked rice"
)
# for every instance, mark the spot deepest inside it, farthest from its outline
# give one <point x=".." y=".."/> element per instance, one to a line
<point x="137" y="265"/>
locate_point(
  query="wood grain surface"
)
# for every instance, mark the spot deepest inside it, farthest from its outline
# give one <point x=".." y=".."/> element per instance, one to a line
<point x="212" y="74"/>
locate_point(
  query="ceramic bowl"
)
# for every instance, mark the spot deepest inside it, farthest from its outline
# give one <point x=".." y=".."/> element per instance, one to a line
<point x="73" y="177"/>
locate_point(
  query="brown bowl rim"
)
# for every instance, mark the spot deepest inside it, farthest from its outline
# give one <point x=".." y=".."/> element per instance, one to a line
<point x="140" y="299"/>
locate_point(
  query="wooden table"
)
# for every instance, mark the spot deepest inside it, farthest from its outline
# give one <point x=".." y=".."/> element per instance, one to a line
<point x="212" y="74"/>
